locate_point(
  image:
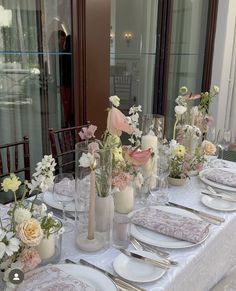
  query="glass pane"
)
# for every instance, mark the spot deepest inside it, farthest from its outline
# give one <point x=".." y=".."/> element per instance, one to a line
<point x="189" y="23"/>
<point x="132" y="53"/>
<point x="33" y="75"/>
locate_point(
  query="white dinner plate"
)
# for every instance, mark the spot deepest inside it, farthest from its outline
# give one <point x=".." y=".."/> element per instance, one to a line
<point x="160" y="240"/>
<point x="89" y="278"/>
<point x="137" y="271"/>
<point x="214" y="184"/>
<point x="218" y="204"/>
<point x="49" y="199"/>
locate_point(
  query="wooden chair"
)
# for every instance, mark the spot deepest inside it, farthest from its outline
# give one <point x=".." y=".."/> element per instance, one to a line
<point x="63" y="147"/>
<point x="14" y="158"/>
<point x="123" y="89"/>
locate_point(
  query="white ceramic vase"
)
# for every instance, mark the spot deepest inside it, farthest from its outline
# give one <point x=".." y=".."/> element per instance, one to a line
<point x="104" y="212"/>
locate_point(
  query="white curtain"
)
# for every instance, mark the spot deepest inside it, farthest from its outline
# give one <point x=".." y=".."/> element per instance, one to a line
<point x="230" y="121"/>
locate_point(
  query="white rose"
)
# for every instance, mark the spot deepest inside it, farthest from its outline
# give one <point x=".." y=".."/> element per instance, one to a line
<point x="86" y="160"/>
<point x="115" y="100"/>
<point x="179" y="109"/>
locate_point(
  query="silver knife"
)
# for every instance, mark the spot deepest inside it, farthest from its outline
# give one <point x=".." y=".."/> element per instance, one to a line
<point x="201" y="213"/>
<point x="155" y="262"/>
<point x="127" y="286"/>
<point x="220" y="196"/>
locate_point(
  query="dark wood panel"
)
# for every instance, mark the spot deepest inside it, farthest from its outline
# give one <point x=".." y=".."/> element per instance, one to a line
<point x="210" y="41"/>
<point x="92" y="63"/>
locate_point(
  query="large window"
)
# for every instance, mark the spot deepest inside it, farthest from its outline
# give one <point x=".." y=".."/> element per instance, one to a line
<point x="32" y="71"/>
<point x="159" y="45"/>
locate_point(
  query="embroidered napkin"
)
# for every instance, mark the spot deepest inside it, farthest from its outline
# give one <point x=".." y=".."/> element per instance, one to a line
<point x="171" y="224"/>
<point x="51" y="278"/>
<point x="221" y="177"/>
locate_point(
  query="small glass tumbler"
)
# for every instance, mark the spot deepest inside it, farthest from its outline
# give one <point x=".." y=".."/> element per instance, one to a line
<point x="121" y="231"/>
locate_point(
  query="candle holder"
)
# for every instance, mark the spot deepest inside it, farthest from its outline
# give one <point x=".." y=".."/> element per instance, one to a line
<point x="49" y="248"/>
<point x="93" y="181"/>
<point x="152" y="128"/>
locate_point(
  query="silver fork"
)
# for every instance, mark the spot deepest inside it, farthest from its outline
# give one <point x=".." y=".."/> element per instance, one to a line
<point x="140" y="246"/>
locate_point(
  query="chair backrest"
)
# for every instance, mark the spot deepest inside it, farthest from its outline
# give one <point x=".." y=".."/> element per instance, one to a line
<point x="63" y="147"/>
<point x="123" y="89"/>
<point x="15" y="158"/>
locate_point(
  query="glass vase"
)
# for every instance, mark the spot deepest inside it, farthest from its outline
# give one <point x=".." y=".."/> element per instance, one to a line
<point x="93" y="201"/>
<point x="49" y="248"/>
<point x="152" y="130"/>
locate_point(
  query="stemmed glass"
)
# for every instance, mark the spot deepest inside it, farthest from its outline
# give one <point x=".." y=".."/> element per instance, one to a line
<point x="212" y="137"/>
<point x="223" y="140"/>
<point x="63" y="191"/>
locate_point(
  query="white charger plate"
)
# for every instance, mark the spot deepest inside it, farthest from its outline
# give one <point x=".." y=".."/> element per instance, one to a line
<point x="160" y="240"/>
<point x="92" y="277"/>
<point x="218" y="204"/>
<point x="214" y="184"/>
<point x="137" y="271"/>
<point x="49" y="199"/>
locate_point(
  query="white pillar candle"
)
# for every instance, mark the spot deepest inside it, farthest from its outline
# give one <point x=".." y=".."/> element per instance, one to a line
<point x="124" y="200"/>
<point x="150" y="168"/>
<point x="46" y="248"/>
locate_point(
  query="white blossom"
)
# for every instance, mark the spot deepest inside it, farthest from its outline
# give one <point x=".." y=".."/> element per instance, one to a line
<point x="86" y="160"/>
<point x="43" y="177"/>
<point x="179" y="109"/>
<point x="216" y="89"/>
<point x="115" y="100"/>
<point x="22" y="214"/>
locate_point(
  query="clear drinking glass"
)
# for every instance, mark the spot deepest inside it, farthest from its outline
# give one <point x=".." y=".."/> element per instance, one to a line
<point x="63" y="191"/>
<point x="159" y="190"/>
<point x="223" y="140"/>
<point x="211" y="136"/>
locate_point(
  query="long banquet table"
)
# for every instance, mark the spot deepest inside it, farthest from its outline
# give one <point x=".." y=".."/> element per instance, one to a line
<point x="200" y="267"/>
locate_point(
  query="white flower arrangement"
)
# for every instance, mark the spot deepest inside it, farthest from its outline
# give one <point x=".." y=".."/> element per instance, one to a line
<point x="27" y="223"/>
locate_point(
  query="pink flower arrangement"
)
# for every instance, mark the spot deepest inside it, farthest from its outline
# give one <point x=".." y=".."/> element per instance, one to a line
<point x="88" y="132"/>
<point x="121" y="180"/>
<point x="30" y="259"/>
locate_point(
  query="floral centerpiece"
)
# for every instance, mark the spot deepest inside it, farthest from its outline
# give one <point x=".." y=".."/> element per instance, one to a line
<point x="189" y="147"/>
<point x="126" y="159"/>
<point x="27" y="224"/>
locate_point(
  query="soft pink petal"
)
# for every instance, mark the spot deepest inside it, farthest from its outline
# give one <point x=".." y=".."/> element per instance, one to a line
<point x="137" y="157"/>
<point x="117" y="122"/>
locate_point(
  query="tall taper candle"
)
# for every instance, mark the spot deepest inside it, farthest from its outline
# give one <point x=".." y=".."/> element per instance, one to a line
<point x="91" y="218"/>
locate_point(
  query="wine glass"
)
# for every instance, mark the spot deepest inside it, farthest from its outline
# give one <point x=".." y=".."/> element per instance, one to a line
<point x="212" y="137"/>
<point x="63" y="191"/>
<point x="223" y="140"/>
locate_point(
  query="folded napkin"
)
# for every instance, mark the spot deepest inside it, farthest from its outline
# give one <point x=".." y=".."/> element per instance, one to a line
<point x="51" y="278"/>
<point x="221" y="177"/>
<point x="171" y="224"/>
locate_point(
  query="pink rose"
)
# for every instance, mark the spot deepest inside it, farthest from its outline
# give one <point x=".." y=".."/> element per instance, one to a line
<point x="30" y="259"/>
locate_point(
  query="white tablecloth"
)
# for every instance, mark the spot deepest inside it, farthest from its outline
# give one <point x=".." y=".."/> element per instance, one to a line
<point x="200" y="267"/>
